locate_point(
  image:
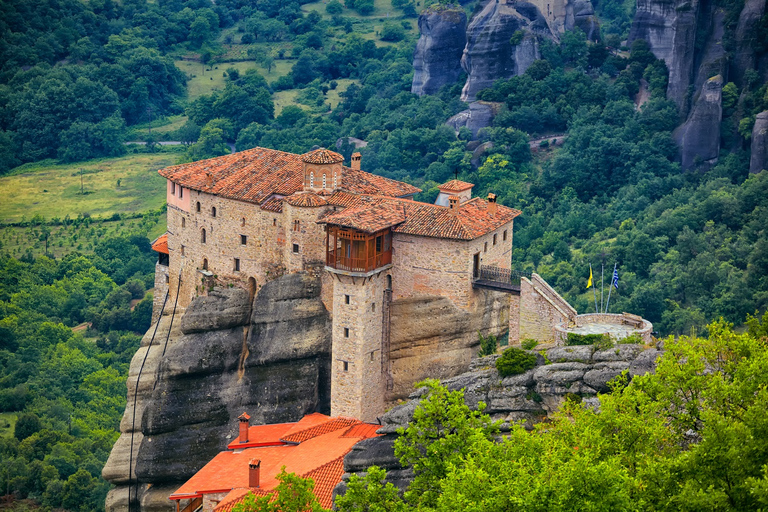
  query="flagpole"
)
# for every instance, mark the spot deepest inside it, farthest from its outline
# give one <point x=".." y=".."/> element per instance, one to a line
<point x="610" y="288"/>
<point x="594" y="291"/>
<point x="601" y="286"/>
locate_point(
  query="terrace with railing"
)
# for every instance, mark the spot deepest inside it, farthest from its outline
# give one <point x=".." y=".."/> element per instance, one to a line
<point x="354" y="251"/>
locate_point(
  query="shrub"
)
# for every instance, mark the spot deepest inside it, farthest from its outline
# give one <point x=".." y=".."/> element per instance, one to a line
<point x="515" y="361"/>
<point x="634" y="339"/>
<point x="528" y="344"/>
<point x="586" y="339"/>
<point x="488" y="344"/>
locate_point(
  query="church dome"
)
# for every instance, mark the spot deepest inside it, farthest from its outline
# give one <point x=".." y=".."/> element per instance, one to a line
<point x="322" y="156"/>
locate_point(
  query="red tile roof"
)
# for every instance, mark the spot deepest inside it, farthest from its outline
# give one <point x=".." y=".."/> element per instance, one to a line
<point x="471" y="220"/>
<point x="322" y="156"/>
<point x="273" y="204"/>
<point x="313" y="447"/>
<point x="306" y="200"/>
<point x="263" y="435"/>
<point x="257" y="174"/>
<point x="455" y="186"/>
<point x="161" y="244"/>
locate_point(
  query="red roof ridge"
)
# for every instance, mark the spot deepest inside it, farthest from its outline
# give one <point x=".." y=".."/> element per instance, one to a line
<point x="455" y="186"/>
<point x="322" y="156"/>
<point x="160" y="244"/>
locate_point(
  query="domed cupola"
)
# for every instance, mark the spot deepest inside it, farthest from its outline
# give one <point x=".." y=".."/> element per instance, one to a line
<point x="322" y="170"/>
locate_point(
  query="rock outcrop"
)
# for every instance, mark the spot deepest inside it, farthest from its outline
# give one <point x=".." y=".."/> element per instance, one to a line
<point x="745" y="37"/>
<point x="223" y="356"/>
<point x="490" y="55"/>
<point x="759" y="159"/>
<point x="437" y="59"/>
<point x="699" y="137"/>
<point x="669" y="27"/>
<point x="528" y="397"/>
<point x="479" y="115"/>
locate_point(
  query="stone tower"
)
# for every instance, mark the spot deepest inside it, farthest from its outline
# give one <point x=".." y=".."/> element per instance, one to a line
<point x="360" y="349"/>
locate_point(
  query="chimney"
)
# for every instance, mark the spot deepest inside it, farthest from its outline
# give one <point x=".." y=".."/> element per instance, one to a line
<point x="355" y="161"/>
<point x="254" y="470"/>
<point x="453" y="204"/>
<point x="492" y="204"/>
<point x="208" y="180"/>
<point x="245" y="423"/>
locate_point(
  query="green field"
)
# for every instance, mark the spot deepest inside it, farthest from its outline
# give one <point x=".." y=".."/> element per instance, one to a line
<point x="53" y="191"/>
<point x="7" y="423"/>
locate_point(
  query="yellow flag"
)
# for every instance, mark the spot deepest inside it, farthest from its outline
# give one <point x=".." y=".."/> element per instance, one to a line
<point x="589" y="283"/>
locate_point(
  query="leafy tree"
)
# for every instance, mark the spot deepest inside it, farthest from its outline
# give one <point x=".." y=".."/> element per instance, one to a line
<point x="292" y="494"/>
<point x="26" y="425"/>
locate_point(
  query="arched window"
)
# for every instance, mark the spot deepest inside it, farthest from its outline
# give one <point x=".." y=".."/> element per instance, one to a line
<point x="202" y="235"/>
<point x="334" y="180"/>
<point x="324" y="180"/>
<point x="311" y="179"/>
<point x="197" y="206"/>
<point x="242" y="223"/>
<point x="183" y="222"/>
<point x="205" y="263"/>
<point x="213" y="211"/>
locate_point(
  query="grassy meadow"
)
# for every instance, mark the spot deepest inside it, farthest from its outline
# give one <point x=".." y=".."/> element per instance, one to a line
<point x="51" y="190"/>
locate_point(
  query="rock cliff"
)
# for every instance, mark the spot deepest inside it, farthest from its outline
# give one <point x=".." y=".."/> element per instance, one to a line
<point x="437" y="59"/>
<point x="226" y="354"/>
<point x="699" y="137"/>
<point x="759" y="159"/>
<point x="669" y="27"/>
<point x="479" y="115"/>
<point x="745" y="35"/>
<point x="527" y="397"/>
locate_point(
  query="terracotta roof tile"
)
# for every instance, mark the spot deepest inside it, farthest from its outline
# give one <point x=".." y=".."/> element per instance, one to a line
<point x="257" y="174"/>
<point x="326" y="478"/>
<point x="470" y="221"/>
<point x="263" y="435"/>
<point x="305" y="200"/>
<point x="161" y="244"/>
<point x="455" y="186"/>
<point x="322" y="156"/>
<point x="362" y="430"/>
<point x="341" y="198"/>
<point x="318" y="430"/>
<point x="273" y="204"/>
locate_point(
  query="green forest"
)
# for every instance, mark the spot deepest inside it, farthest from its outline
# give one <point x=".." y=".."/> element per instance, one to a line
<point x="79" y="79"/>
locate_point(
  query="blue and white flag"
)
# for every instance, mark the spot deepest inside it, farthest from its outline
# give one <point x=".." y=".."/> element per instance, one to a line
<point x="615" y="281"/>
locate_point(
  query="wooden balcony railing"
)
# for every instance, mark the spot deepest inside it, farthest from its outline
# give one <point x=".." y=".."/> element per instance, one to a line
<point x="338" y="260"/>
<point x="501" y="275"/>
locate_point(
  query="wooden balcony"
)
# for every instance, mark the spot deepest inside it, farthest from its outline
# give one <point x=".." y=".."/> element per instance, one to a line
<point x="353" y="251"/>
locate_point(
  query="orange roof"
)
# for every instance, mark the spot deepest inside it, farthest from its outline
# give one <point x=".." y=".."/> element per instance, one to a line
<point x="313" y="447"/>
<point x="161" y="244"/>
<point x="455" y="186"/>
<point x="257" y="174"/>
<point x="273" y="204"/>
<point x="263" y="435"/>
<point x="322" y="156"/>
<point x="471" y="220"/>
<point x="306" y="200"/>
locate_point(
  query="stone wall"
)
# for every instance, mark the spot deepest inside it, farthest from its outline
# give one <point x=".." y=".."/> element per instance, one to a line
<point x="541" y="309"/>
<point x="161" y="289"/>
<point x="357" y="380"/>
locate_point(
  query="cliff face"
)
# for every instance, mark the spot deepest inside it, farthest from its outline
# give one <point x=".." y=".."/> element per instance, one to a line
<point x="669" y="27"/>
<point x="759" y="160"/>
<point x="699" y="137"/>
<point x="489" y="55"/>
<point x="224" y="355"/>
<point x="528" y="397"/>
<point x="746" y="33"/>
<point x="437" y="59"/>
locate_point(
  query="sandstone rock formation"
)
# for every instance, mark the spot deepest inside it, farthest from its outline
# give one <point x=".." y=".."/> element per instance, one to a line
<point x="224" y="355"/>
<point x="699" y="137"/>
<point x="746" y="32"/>
<point x="713" y="60"/>
<point x="527" y="397"/>
<point x="669" y="27"/>
<point x="479" y="115"/>
<point x="437" y="59"/>
<point x="759" y="159"/>
<point x="489" y="55"/>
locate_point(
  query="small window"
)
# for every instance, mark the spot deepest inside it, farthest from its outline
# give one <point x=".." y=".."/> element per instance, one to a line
<point x="297" y="225"/>
<point x="183" y="222"/>
<point x="295" y="248"/>
<point x="372" y="354"/>
<point x="213" y="211"/>
<point x="205" y="263"/>
<point x="237" y="264"/>
<point x="346" y="299"/>
<point x="373" y="306"/>
<point x="324" y="181"/>
<point x="202" y="235"/>
<point x="173" y="189"/>
<point x="346" y="332"/>
<point x="182" y="250"/>
<point x="345" y="365"/>
<point x="167" y="279"/>
<point x="494" y="239"/>
<point x="334" y="180"/>
<point x="311" y="179"/>
<point x="181" y="192"/>
<point x="274" y="222"/>
<point x="504" y="235"/>
<point x="243" y="240"/>
<point x="197" y="206"/>
<point x="485" y="247"/>
<point x="242" y="222"/>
